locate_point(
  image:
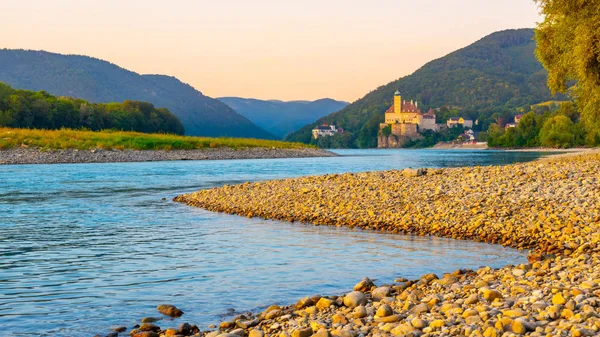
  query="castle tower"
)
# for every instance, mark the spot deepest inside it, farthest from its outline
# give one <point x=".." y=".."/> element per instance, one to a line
<point x="397" y="102"/>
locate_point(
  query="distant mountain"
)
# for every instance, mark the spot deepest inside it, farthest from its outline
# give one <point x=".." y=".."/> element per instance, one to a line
<point x="279" y="117"/>
<point x="492" y="76"/>
<point x="100" y="81"/>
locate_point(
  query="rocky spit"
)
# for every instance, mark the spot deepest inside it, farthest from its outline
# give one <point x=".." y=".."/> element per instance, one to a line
<point x="550" y="207"/>
<point x="37" y="156"/>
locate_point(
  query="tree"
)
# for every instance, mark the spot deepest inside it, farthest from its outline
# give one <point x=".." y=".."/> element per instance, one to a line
<point x="557" y="132"/>
<point x="568" y="45"/>
<point x="387" y="130"/>
<point x="529" y="128"/>
<point x="28" y="109"/>
<point x="494" y="135"/>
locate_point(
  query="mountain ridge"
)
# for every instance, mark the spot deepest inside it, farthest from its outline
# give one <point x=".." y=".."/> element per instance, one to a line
<point x="282" y="117"/>
<point x="101" y="81"/>
<point x="487" y="78"/>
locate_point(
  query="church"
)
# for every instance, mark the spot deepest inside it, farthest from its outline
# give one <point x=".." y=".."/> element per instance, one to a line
<point x="406" y="120"/>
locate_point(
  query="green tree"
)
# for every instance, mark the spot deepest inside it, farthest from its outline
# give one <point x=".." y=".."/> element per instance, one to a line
<point x="28" y="109"/>
<point x="557" y="132"/>
<point x="387" y="130"/>
<point x="494" y="135"/>
<point x="568" y="45"/>
<point x="529" y="128"/>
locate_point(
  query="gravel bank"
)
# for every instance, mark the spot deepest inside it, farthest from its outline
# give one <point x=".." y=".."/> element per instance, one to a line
<point x="35" y="156"/>
<point x="551" y="207"/>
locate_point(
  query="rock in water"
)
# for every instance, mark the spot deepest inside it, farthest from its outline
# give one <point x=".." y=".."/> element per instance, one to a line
<point x="169" y="310"/>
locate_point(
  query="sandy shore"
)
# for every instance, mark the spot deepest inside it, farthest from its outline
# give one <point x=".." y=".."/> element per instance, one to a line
<point x="35" y="156"/>
<point x="550" y="207"/>
<point x="465" y="146"/>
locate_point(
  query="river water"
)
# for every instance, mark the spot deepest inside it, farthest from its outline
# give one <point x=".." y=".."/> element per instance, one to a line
<point x="85" y="247"/>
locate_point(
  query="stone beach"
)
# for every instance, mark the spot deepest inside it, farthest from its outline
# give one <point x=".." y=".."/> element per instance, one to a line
<point x="550" y="207"/>
<point x="69" y="156"/>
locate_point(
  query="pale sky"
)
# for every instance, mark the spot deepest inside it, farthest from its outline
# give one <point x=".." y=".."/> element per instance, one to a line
<point x="266" y="49"/>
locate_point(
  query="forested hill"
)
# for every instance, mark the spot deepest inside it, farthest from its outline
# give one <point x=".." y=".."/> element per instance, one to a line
<point x="40" y="110"/>
<point x="281" y="118"/>
<point x="491" y="77"/>
<point x="100" y="81"/>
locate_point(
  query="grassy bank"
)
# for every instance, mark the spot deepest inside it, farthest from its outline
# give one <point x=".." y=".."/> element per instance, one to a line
<point x="120" y="140"/>
<point x="550" y="206"/>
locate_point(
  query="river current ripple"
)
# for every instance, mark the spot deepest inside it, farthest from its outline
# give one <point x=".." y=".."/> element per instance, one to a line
<point x="84" y="247"/>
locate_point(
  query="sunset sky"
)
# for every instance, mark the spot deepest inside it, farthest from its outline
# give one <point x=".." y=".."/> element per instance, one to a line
<point x="266" y="49"/>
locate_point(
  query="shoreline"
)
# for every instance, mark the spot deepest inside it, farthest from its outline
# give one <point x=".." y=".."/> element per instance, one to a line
<point x="551" y="206"/>
<point x="22" y="156"/>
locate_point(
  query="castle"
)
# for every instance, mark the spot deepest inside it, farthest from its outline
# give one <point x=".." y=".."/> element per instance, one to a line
<point x="405" y="121"/>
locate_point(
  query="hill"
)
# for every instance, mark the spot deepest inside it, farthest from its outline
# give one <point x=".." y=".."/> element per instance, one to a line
<point x="485" y="80"/>
<point x="281" y="118"/>
<point x="100" y="81"/>
<point x="40" y="110"/>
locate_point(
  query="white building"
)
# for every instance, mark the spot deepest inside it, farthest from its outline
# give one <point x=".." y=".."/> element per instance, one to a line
<point x="456" y="121"/>
<point x="325" y="130"/>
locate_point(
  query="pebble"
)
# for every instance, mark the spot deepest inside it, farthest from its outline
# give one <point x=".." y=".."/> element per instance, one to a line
<point x="35" y="156"/>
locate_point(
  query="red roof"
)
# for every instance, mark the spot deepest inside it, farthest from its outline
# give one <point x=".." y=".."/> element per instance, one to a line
<point x="406" y="107"/>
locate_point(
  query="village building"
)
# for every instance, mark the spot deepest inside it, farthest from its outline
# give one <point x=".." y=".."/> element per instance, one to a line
<point x="468" y="136"/>
<point x="518" y="118"/>
<point x="325" y="130"/>
<point x="516" y="122"/>
<point x="456" y="121"/>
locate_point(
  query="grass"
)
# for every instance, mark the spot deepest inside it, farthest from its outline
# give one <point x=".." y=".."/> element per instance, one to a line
<point x="121" y="140"/>
<point x="548" y="103"/>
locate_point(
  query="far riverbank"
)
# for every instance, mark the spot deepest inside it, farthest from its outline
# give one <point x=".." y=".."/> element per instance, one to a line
<point x="71" y="156"/>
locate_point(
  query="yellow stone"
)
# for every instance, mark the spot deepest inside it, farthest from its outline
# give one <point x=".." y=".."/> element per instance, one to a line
<point x="317" y="325"/>
<point x="470" y="312"/>
<point x="437" y="324"/>
<point x="490" y="295"/>
<point x="514" y="313"/>
<point x="518" y="327"/>
<point x="171" y="332"/>
<point x="311" y="310"/>
<point x="402" y="329"/>
<point x="558" y="299"/>
<point x="490" y="332"/>
<point x="324" y="303"/>
<point x="339" y="318"/>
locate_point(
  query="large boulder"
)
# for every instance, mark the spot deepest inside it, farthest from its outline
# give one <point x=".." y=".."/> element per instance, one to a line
<point x="354" y="299"/>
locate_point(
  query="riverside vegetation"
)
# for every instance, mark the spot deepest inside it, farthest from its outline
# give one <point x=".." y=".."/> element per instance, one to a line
<point x="26" y="146"/>
<point x="550" y="207"/>
<point x="28" y="109"/>
<point x="122" y="140"/>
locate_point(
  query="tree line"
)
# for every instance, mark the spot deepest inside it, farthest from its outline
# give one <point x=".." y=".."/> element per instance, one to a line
<point x="40" y="110"/>
<point x="561" y="127"/>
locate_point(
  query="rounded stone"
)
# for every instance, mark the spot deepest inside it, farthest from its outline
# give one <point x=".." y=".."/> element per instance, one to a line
<point x="354" y="299"/>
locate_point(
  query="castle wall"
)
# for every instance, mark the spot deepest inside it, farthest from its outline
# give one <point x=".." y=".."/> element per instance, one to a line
<point x="406" y="130"/>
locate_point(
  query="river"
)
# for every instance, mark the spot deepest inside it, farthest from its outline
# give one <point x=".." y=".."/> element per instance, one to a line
<point x="85" y="247"/>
